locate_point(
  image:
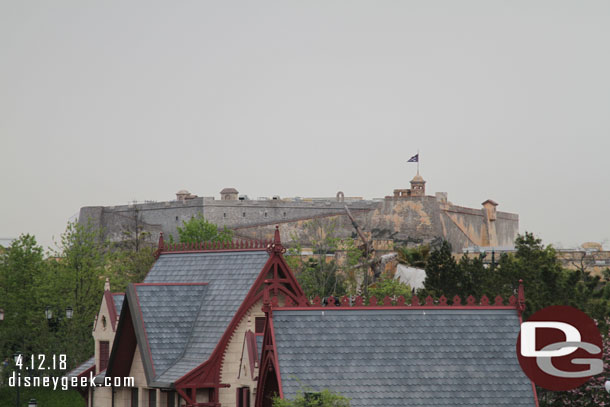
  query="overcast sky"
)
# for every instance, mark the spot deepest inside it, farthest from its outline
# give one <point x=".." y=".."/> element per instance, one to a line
<point x="105" y="102"/>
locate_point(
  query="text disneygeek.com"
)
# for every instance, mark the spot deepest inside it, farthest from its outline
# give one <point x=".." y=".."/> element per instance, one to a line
<point x="64" y="383"/>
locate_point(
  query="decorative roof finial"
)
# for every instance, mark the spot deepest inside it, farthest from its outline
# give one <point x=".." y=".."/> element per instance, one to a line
<point x="160" y="247"/>
<point x="107" y="284"/>
<point x="276" y="246"/>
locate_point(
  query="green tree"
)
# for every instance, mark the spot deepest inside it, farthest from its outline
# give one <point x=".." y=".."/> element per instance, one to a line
<point x="475" y="277"/>
<point x="320" y="275"/>
<point x="198" y="230"/>
<point x="76" y="279"/>
<point x="325" y="398"/>
<point x="414" y="256"/>
<point x="126" y="266"/>
<point x="443" y="275"/>
<point x="22" y="270"/>
<point x="388" y="286"/>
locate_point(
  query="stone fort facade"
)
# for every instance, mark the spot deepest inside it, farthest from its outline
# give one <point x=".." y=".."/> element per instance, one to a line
<point x="408" y="216"/>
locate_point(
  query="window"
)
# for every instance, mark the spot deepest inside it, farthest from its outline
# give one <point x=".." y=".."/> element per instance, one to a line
<point x="265" y="214"/>
<point x="284" y="214"/>
<point x="134" y="397"/>
<point x="243" y="214"/>
<point x="176" y="219"/>
<point x="104" y="354"/>
<point x="152" y="398"/>
<point x="243" y="397"/>
<point x="171" y="399"/>
<point x="259" y="325"/>
<point x="224" y="215"/>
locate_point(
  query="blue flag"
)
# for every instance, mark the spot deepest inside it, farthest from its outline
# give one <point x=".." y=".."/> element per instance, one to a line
<point x="414" y="159"/>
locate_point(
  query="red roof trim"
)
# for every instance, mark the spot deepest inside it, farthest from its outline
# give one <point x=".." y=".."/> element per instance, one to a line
<point x="250" y="339"/>
<point x="358" y="302"/>
<point x="375" y="308"/>
<point x="212" y="251"/>
<point x="209" y="371"/>
<point x="152" y="363"/>
<point x="235" y="245"/>
<point x="111" y="309"/>
<point x="155" y="284"/>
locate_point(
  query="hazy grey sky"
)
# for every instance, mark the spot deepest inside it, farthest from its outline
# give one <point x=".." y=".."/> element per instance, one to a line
<point x="105" y="102"/>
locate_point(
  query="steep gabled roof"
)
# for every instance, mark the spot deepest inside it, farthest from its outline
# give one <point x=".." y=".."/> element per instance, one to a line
<point x="165" y="316"/>
<point x="201" y="313"/>
<point x="404" y="356"/>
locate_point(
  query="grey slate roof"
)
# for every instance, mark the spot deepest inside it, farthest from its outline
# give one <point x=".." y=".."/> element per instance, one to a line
<point x="168" y="313"/>
<point x="89" y="363"/>
<point x="229" y="276"/>
<point x="118" y="302"/>
<point x="404" y="357"/>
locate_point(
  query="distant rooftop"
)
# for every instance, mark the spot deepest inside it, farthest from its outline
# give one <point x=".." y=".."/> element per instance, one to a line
<point x="6" y="241"/>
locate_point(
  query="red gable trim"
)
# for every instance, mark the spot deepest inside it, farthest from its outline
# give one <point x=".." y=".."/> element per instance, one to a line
<point x="269" y="377"/>
<point x="111" y="308"/>
<point x="155" y="284"/>
<point x="385" y="308"/>
<point x="250" y="340"/>
<point x="283" y="281"/>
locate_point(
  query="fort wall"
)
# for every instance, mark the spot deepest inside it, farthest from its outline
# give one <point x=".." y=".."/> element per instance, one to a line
<point x="403" y="218"/>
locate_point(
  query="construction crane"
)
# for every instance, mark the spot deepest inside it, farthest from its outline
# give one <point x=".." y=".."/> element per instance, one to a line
<point x="377" y="264"/>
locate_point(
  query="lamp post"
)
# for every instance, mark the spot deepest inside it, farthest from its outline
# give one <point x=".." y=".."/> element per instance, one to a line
<point x="55" y="321"/>
<point x="1" y="314"/>
<point x="17" y="356"/>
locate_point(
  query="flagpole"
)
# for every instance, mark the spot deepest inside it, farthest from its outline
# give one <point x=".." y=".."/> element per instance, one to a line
<point x="418" y="161"/>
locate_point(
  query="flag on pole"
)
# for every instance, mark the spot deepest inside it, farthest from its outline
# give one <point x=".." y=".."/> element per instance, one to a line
<point x="414" y="159"/>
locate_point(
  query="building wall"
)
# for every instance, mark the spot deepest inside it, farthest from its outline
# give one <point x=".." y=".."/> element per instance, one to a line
<point x="412" y="220"/>
<point x="232" y="360"/>
<point x="101" y="333"/>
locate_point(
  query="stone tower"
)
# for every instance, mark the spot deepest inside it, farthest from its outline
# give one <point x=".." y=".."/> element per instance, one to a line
<point x="418" y="186"/>
<point x="229" y="194"/>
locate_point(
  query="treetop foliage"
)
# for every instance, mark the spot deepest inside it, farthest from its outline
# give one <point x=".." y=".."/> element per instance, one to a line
<point x="546" y="283"/>
<point x="198" y="230"/>
<point x="72" y="276"/>
<point x="305" y="398"/>
<point x="321" y="274"/>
